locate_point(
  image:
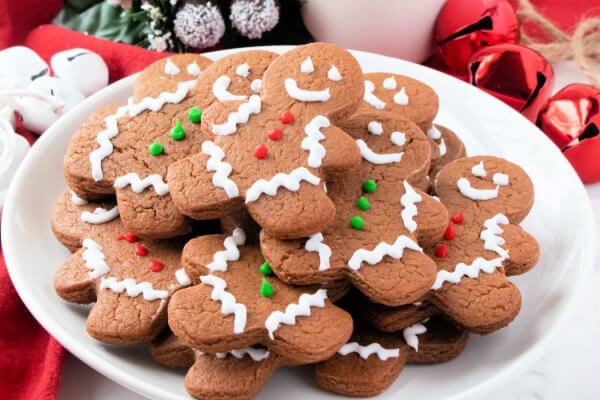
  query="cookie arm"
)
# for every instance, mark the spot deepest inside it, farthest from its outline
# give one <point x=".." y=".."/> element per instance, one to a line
<point x="170" y="351"/>
<point x="342" y="154"/>
<point x="523" y="250"/>
<point x="72" y="281"/>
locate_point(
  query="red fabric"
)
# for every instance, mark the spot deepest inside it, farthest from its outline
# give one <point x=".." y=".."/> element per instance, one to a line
<point x="18" y="17"/>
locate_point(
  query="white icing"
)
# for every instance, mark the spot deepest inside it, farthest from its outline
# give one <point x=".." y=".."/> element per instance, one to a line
<point x="78" y="201"/>
<point x="315" y="243"/>
<point x="222" y="169"/>
<point x="370" y="98"/>
<point x="390" y="83"/>
<point x="138" y="185"/>
<point x="243" y="70"/>
<point x="316" y="151"/>
<point x="256" y="85"/>
<point x="100" y="215"/>
<point x="375" y="256"/>
<point x="365" y="351"/>
<point x="479" y="170"/>
<point x="375" y="128"/>
<point x="293" y="311"/>
<point x="408" y="201"/>
<point x="112" y="129"/>
<point x="500" y="179"/>
<point x="434" y="133"/>
<point x="133" y="289"/>
<point x="292" y="89"/>
<point x="377" y="158"/>
<point x="410" y="335"/>
<point x="193" y="69"/>
<point x="256" y="354"/>
<point x="240" y="116"/>
<point x="471" y="270"/>
<point x="289" y="181"/>
<point x="221" y="91"/>
<point x="333" y="74"/>
<point x="491" y="235"/>
<point x="465" y="188"/>
<point x="170" y="68"/>
<point x="229" y="305"/>
<point x="401" y="98"/>
<point x="398" y="138"/>
<point x="94" y="259"/>
<point x="307" y="66"/>
<point x="231" y="252"/>
<point x="442" y="147"/>
<point x="182" y="277"/>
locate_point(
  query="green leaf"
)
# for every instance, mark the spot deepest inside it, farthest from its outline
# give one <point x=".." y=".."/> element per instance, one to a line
<point x="104" y="21"/>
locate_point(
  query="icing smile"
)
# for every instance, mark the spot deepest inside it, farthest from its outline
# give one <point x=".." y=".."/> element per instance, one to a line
<point x="292" y="89"/>
<point x="221" y="90"/>
<point x="377" y="158"/>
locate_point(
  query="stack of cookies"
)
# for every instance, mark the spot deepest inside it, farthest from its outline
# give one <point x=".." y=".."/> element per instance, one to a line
<point x="268" y="210"/>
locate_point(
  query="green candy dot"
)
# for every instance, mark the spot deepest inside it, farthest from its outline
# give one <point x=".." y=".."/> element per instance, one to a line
<point x="369" y="186"/>
<point x="357" y="222"/>
<point x="177" y="133"/>
<point x="363" y="203"/>
<point x="266" y="290"/>
<point x="195" y="115"/>
<point x="156" y="149"/>
<point x="265" y="269"/>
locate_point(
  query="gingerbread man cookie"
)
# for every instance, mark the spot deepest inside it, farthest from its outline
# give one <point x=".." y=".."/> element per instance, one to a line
<point x="126" y="149"/>
<point x="372" y="360"/>
<point x="129" y="279"/>
<point x="450" y="148"/>
<point x="273" y="152"/>
<point x="486" y="197"/>
<point x="380" y="223"/>
<point x="241" y="304"/>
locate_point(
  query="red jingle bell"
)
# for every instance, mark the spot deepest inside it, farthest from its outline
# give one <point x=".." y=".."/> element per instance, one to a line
<point x="465" y="26"/>
<point x="517" y="75"/>
<point x="571" y="119"/>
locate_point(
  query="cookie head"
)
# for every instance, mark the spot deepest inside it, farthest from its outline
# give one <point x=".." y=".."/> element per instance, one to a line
<point x="487" y="183"/>
<point x="322" y="77"/>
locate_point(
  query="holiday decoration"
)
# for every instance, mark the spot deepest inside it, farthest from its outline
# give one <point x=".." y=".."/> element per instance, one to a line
<point x="465" y="26"/>
<point x="252" y="18"/>
<point x="83" y="69"/>
<point x="571" y="118"/>
<point x="515" y="74"/>
<point x="199" y="25"/>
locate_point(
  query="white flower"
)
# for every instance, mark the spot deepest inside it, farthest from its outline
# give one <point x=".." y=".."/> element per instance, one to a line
<point x="253" y="18"/>
<point x="199" y="25"/>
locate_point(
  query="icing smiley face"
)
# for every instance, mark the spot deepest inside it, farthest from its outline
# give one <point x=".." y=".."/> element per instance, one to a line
<point x="402" y="95"/>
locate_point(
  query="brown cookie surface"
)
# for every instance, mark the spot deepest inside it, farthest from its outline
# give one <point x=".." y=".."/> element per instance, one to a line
<point x="449" y="145"/>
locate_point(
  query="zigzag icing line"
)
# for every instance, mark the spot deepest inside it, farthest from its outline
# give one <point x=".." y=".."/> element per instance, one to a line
<point x="408" y="200"/>
<point x="222" y="169"/>
<point x="139" y="185"/>
<point x="366" y="351"/>
<point x="410" y="335"/>
<point x="471" y="270"/>
<point x="240" y="116"/>
<point x="133" y="289"/>
<point x="491" y="235"/>
<point x="182" y="277"/>
<point x="112" y="129"/>
<point x="316" y="151"/>
<point x="293" y="311"/>
<point x="256" y="354"/>
<point x="100" y="215"/>
<point x="229" y="305"/>
<point x="315" y="243"/>
<point x="94" y="259"/>
<point x="375" y="256"/>
<point x="289" y="181"/>
<point x="231" y="252"/>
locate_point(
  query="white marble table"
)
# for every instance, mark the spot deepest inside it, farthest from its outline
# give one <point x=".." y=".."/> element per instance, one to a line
<point x="570" y="369"/>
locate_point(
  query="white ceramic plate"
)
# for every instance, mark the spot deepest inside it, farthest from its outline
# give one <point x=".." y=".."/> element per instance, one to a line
<point x="561" y="220"/>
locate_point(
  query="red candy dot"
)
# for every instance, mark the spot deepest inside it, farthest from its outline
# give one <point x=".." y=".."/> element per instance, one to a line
<point x="140" y="250"/>
<point x="441" y="251"/>
<point x="156" y="266"/>
<point x="275" y="134"/>
<point x="458" y="218"/>
<point x="449" y="234"/>
<point x="287" y="117"/>
<point x="128" y="237"/>
<point x="261" y="151"/>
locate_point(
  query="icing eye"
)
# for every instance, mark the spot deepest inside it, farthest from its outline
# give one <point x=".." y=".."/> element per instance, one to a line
<point x="479" y="170"/>
<point x="243" y="70"/>
<point x="193" y="69"/>
<point x="401" y="98"/>
<point x="390" y="83"/>
<point x="307" y="66"/>
<point x="398" y="138"/>
<point x="375" y="128"/>
<point x="500" y="179"/>
<point x="333" y="74"/>
<point x="170" y="68"/>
